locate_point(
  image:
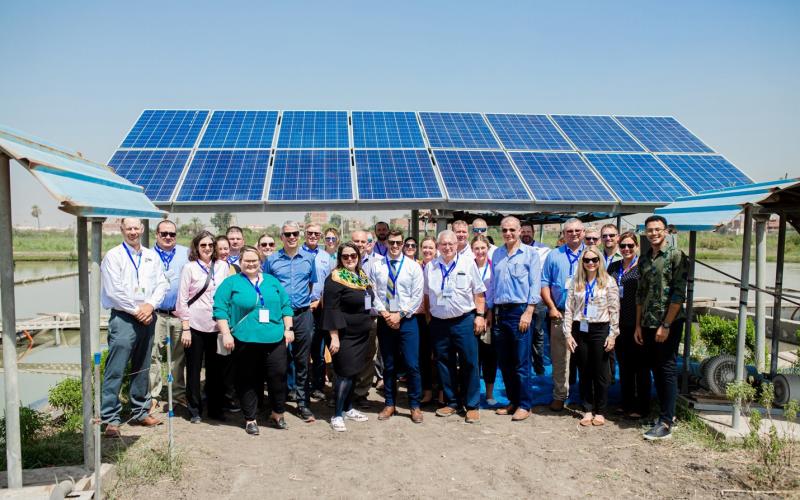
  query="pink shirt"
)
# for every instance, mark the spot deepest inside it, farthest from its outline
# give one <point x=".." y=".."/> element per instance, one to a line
<point x="193" y="277"/>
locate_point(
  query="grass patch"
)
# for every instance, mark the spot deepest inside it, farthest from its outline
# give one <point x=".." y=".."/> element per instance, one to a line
<point x="144" y="463"/>
<point x="692" y="430"/>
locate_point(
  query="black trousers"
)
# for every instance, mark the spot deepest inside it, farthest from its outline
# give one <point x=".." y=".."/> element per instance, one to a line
<point x="250" y="359"/>
<point x="634" y="374"/>
<point x="204" y="345"/>
<point x="487" y="357"/>
<point x="592" y="360"/>
<point x="662" y="360"/>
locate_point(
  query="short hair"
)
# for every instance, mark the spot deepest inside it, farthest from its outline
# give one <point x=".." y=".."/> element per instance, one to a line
<point x="655" y="218"/>
<point x="251" y="248"/>
<point x="357" y="232"/>
<point x="122" y="220"/>
<point x="573" y="220"/>
<point x="510" y="218"/>
<point x="446" y="233"/>
<point x="629" y="235"/>
<point x="194" y="248"/>
<point x="591" y="229"/>
<point x="396" y="232"/>
<point x="290" y="223"/>
<point x="607" y="226"/>
<point x="381" y="223"/>
<point x="265" y="235"/>
<point x="476" y="219"/>
<point x="313" y="224"/>
<point x="234" y="229"/>
<point x="167" y="221"/>
<point x="331" y="230"/>
<point x="527" y="223"/>
<point x="459" y="223"/>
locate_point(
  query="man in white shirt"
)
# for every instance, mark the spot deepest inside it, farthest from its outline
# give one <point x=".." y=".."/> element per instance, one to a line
<point x="461" y="230"/>
<point x="133" y="284"/>
<point x="398" y="295"/>
<point x="454" y="292"/>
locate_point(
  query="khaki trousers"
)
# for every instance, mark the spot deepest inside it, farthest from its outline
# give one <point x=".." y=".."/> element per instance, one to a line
<point x="559" y="356"/>
<point x="168" y="325"/>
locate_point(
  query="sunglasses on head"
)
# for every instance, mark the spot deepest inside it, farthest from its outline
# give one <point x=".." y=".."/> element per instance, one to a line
<point x="349" y="256"/>
<point x="291" y="234"/>
<point x="591" y="260"/>
<point x="394" y="243"/>
<point x="167" y="234"/>
<point x="627" y="245"/>
<point x="266" y="244"/>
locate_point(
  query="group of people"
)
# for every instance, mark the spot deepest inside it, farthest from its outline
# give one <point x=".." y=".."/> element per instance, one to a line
<point x="442" y="312"/>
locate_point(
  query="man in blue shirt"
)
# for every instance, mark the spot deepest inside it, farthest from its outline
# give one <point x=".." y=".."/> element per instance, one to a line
<point x="516" y="272"/>
<point x="173" y="258"/>
<point x="296" y="271"/>
<point x="557" y="274"/>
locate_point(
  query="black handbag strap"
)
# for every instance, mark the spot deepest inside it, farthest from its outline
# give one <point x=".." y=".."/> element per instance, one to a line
<point x="205" y="286"/>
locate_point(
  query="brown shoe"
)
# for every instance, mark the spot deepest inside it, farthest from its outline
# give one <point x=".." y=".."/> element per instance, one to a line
<point x="386" y="413"/>
<point x="112" y="431"/>
<point x="148" y="421"/>
<point x="473" y="417"/>
<point x="153" y="406"/>
<point x="416" y="415"/>
<point x="556" y="405"/>
<point x="446" y="411"/>
<point x="520" y="415"/>
<point x="505" y="410"/>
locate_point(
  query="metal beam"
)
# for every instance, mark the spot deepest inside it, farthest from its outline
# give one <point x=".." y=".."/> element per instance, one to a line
<point x="13" y="442"/>
<point x="776" y="307"/>
<point x="744" y="288"/>
<point x="687" y="335"/>
<point x="94" y="302"/>
<point x="415" y="226"/>
<point x="146" y="233"/>
<point x="761" y="306"/>
<point x="86" y="341"/>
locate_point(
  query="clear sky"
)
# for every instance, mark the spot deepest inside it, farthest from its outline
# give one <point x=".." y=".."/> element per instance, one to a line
<point x="79" y="73"/>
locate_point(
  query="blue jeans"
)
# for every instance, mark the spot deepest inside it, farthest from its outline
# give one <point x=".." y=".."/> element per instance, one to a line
<point x="514" y="355"/>
<point x="538" y="328"/>
<point x="404" y="343"/>
<point x="451" y="337"/>
<point x="128" y="340"/>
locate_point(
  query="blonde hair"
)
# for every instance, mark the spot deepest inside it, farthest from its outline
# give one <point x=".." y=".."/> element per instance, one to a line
<point x="580" y="276"/>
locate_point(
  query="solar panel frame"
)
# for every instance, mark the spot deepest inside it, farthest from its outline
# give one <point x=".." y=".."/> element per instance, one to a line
<point x="447" y="169"/>
<point x="186" y="143"/>
<point x="530" y="143"/>
<point x="272" y="115"/>
<point x="399" y="141"/>
<point x="180" y="157"/>
<point x="578" y="128"/>
<point x="364" y="168"/>
<point x="301" y="143"/>
<point x="216" y="193"/>
<point x="482" y="142"/>
<point x="643" y="170"/>
<point x="650" y="142"/>
<point x="572" y="171"/>
<point x="699" y="180"/>
<point x="307" y="178"/>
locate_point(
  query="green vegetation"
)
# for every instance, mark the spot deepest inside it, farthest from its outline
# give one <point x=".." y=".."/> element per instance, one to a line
<point x="66" y="396"/>
<point x="146" y="462"/>
<point x="45" y="443"/>
<point x="719" y="336"/>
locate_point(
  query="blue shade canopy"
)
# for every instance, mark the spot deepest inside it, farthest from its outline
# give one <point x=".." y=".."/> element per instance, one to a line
<point x="305" y="175"/>
<point x="596" y="133"/>
<point x="535" y="132"/>
<point x="157" y="171"/>
<point x="458" y="130"/>
<point x="705" y="172"/>
<point x="637" y="177"/>
<point x="376" y="129"/>
<point x="240" y="129"/>
<point x="560" y="177"/>
<point x="479" y="175"/>
<point x="166" y="129"/>
<point x="226" y="175"/>
<point x="314" y="129"/>
<point x="663" y="134"/>
<point x="387" y="174"/>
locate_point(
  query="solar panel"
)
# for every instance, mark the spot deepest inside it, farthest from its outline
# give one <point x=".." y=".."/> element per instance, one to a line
<point x="166" y="129"/>
<point x="458" y="130"/>
<point x="560" y="177"/>
<point x="663" y="134"/>
<point x="314" y="129"/>
<point x="637" y="177"/>
<point x="528" y="132"/>
<point x="396" y="174"/>
<point x="156" y="171"/>
<point x="704" y="173"/>
<point x="479" y="175"/>
<point x="596" y="133"/>
<point x="225" y="175"/>
<point x="300" y="175"/>
<point x="386" y="130"/>
<point x="240" y="129"/>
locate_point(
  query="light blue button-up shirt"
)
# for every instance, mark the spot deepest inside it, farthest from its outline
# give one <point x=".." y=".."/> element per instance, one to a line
<point x="296" y="274"/>
<point x="516" y="276"/>
<point x="556" y="272"/>
<point x="324" y="263"/>
<point x="172" y="271"/>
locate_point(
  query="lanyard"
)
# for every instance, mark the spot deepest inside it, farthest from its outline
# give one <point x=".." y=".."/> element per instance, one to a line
<point x="255" y="285"/>
<point x="393" y="278"/>
<point x="488" y="264"/>
<point x="233" y="259"/>
<point x="625" y="270"/>
<point x="572" y="258"/>
<point x="589" y="294"/>
<point x="209" y="270"/>
<point x="312" y="252"/>
<point x="446" y="272"/>
<point x="135" y="265"/>
<point x="166" y="257"/>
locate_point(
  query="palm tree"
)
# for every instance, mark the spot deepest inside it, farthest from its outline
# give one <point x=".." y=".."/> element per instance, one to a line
<point x="36" y="212"/>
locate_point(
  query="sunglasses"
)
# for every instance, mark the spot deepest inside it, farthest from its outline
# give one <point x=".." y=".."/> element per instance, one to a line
<point x="330" y="238"/>
<point x="394" y="243"/>
<point x="265" y="244"/>
<point x="479" y="229"/>
<point x="206" y="245"/>
<point x="591" y="238"/>
<point x="411" y="245"/>
<point x="573" y="231"/>
<point x="508" y="230"/>
<point x="591" y="260"/>
<point x="167" y="234"/>
<point x="313" y="233"/>
<point x="627" y="245"/>
<point x="609" y="235"/>
<point x="291" y="234"/>
<point x="349" y="256"/>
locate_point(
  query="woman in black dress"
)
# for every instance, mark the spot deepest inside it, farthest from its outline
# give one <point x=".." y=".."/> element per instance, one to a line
<point x="634" y="377"/>
<point x="347" y="299"/>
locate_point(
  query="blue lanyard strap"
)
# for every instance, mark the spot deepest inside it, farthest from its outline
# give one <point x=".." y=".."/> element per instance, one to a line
<point x="392" y="276"/>
<point x="572" y="258"/>
<point x="446" y="272"/>
<point x="486" y="267"/>
<point x="312" y="252"/>
<point x="622" y="271"/>
<point x="378" y="250"/>
<point x="135" y="265"/>
<point x="233" y="259"/>
<point x="208" y="270"/>
<point x="589" y="294"/>
<point x="255" y="285"/>
<point x="166" y="257"/>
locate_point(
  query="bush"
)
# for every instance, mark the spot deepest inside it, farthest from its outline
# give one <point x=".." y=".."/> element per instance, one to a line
<point x="719" y="335"/>
<point x="66" y="396"/>
<point x="31" y="424"/>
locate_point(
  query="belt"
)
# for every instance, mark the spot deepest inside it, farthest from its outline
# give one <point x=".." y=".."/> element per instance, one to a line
<point x="511" y="305"/>
<point x="300" y="310"/>
<point x="165" y="311"/>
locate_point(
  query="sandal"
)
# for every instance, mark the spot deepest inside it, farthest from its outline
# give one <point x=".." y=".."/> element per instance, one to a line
<point x="587" y="419"/>
<point x="598" y="420"/>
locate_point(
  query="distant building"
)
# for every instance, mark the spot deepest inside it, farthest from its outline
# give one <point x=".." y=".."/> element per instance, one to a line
<point x="400" y="222"/>
<point x="320" y="218"/>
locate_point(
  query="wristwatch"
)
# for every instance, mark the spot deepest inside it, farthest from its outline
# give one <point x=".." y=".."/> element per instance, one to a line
<point x="289" y="329"/>
<point x="480" y="314"/>
<point x="666" y="325"/>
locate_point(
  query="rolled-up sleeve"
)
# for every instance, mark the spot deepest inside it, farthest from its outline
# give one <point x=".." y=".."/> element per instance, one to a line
<point x="680" y="278"/>
<point x="534" y="279"/>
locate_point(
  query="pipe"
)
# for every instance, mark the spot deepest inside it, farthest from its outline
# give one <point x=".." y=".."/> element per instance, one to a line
<point x="146" y="233"/>
<point x="13" y="442"/>
<point x="761" y="306"/>
<point x="776" y="308"/>
<point x="86" y="341"/>
<point x="744" y="288"/>
<point x="97" y="250"/>
<point x="687" y="335"/>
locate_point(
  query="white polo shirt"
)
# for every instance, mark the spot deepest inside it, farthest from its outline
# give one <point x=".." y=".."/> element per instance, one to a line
<point x="462" y="282"/>
<point x="409" y="286"/>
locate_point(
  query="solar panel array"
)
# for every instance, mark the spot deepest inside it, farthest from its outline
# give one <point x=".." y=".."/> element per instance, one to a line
<point x="198" y="157"/>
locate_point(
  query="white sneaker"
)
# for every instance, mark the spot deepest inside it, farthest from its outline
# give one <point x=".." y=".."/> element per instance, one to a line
<point x="355" y="415"/>
<point x="337" y="423"/>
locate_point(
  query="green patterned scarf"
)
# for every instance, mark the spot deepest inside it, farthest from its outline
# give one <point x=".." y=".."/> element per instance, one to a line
<point x="351" y="279"/>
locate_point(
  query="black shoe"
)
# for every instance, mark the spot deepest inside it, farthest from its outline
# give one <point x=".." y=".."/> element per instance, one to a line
<point x="318" y="395"/>
<point x="306" y="414"/>
<point x="291" y="396"/>
<point x="362" y="402"/>
<point x="251" y="428"/>
<point x="659" y="431"/>
<point x="196" y="419"/>
<point x="278" y="424"/>
<point x="232" y="406"/>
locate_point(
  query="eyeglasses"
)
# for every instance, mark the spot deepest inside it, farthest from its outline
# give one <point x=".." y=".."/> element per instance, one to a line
<point x="206" y="245"/>
<point x="167" y="234"/>
<point x="349" y="256"/>
<point x="447" y="244"/>
<point x="508" y="230"/>
<point x="655" y="230"/>
<point x="313" y="233"/>
<point x="627" y="245"/>
<point x="591" y="260"/>
<point x="479" y="229"/>
<point x="330" y="238"/>
<point x="411" y="245"/>
<point x="609" y="235"/>
<point x="573" y="231"/>
<point x="291" y="234"/>
<point x="591" y="238"/>
<point x="266" y="244"/>
<point x="394" y="243"/>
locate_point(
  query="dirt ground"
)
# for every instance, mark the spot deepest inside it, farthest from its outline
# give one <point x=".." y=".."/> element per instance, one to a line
<point x="548" y="454"/>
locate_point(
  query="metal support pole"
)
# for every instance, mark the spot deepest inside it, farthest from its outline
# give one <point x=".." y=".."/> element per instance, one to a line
<point x="687" y="334"/>
<point x="13" y="442"/>
<point x="86" y="342"/>
<point x="441" y="225"/>
<point x="94" y="302"/>
<point x="744" y="287"/>
<point x="619" y="223"/>
<point x="415" y="227"/>
<point x="171" y="412"/>
<point x="761" y="305"/>
<point x="146" y="233"/>
<point x="776" y="305"/>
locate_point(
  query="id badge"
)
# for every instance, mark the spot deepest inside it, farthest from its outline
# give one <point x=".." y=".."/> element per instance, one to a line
<point x="263" y="315"/>
<point x="584" y="326"/>
<point x="621" y="291"/>
<point x="170" y="275"/>
<point x="461" y="281"/>
<point x="394" y="305"/>
<point x="591" y="311"/>
<point x="367" y="302"/>
<point x="447" y="292"/>
<point x="138" y="294"/>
